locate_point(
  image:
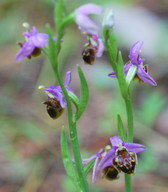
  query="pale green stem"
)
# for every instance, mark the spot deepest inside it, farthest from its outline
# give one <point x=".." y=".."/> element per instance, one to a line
<point x="130" y="133"/>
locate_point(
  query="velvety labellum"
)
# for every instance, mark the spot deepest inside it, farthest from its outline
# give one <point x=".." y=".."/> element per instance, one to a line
<point x="54" y="108"/>
<point x="111" y="173"/>
<point x="125" y="161"/>
<point x="89" y="53"/>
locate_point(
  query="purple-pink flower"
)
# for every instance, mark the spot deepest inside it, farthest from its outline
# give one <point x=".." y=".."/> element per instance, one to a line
<point x="141" y="71"/>
<point x="89" y="27"/>
<point x="121" y="156"/>
<point x="117" y="143"/>
<point x="56" y="92"/>
<point x="34" y="41"/>
<point x="85" y="24"/>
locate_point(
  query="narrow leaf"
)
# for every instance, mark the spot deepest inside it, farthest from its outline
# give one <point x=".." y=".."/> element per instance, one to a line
<point x="84" y="94"/>
<point x="89" y="166"/>
<point x="121" y="76"/>
<point x="74" y="99"/>
<point x="59" y="13"/>
<point x="111" y="46"/>
<point x="51" y="45"/>
<point x="67" y="160"/>
<point x="121" y="130"/>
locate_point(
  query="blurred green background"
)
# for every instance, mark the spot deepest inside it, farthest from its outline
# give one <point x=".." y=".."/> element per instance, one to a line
<point x="30" y="159"/>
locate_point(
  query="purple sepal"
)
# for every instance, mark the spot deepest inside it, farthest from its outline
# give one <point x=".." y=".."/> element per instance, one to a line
<point x="145" y="77"/>
<point x="95" y="167"/>
<point x="135" y="147"/>
<point x="85" y="24"/>
<point x="25" y="51"/>
<point x="108" y="157"/>
<point x="134" y="52"/>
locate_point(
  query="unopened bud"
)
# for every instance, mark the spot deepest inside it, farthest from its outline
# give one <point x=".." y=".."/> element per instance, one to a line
<point x="26" y="26"/>
<point x="108" y="21"/>
<point x="40" y="87"/>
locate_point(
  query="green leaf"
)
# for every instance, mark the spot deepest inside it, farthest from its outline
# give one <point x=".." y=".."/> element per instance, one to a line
<point x="121" y="130"/>
<point x="67" y="161"/>
<point x="68" y="19"/>
<point x="110" y="42"/>
<point x="89" y="166"/>
<point x="74" y="99"/>
<point x="51" y="45"/>
<point x="84" y="95"/>
<point x="113" y="46"/>
<point x="59" y="13"/>
<point x="121" y="76"/>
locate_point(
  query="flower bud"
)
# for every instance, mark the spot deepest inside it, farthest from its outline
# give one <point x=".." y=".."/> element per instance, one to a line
<point x="108" y="21"/>
<point x="26" y="26"/>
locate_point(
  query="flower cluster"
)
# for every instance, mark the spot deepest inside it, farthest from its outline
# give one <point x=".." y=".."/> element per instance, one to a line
<point x="120" y="156"/>
<point x="141" y="69"/>
<point x="94" y="48"/>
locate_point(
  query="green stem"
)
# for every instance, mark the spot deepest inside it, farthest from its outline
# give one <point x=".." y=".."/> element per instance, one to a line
<point x="127" y="183"/>
<point x="129" y="119"/>
<point x="124" y="88"/>
<point x="71" y="122"/>
<point x="129" y="136"/>
<point x="73" y="134"/>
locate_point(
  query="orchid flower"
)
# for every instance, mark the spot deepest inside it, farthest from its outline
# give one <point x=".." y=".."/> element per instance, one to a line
<point x="34" y="41"/>
<point x="85" y="24"/>
<point x="106" y="159"/>
<point x="116" y="144"/>
<point x="89" y="27"/>
<point x="56" y="92"/>
<point x="141" y="69"/>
